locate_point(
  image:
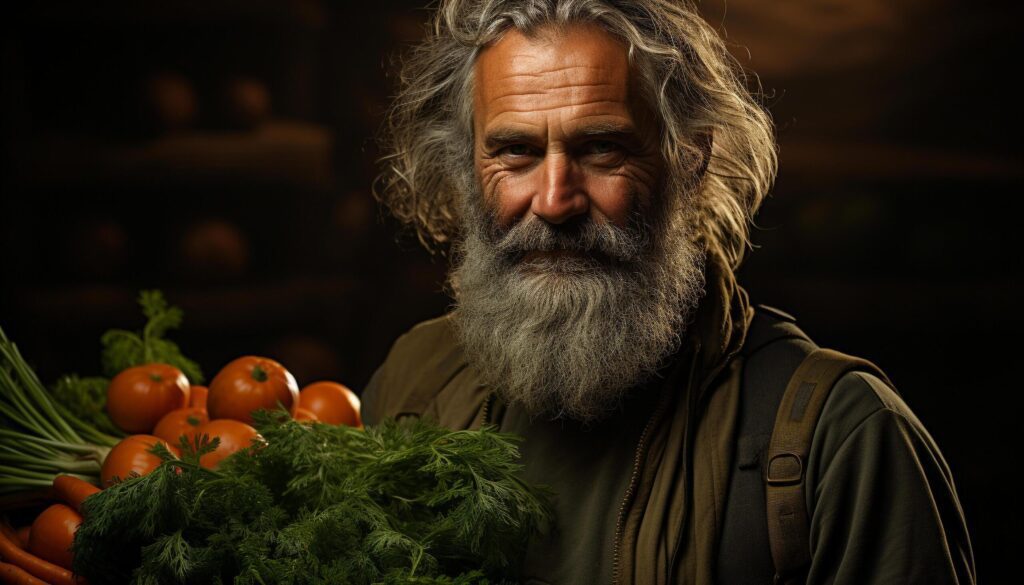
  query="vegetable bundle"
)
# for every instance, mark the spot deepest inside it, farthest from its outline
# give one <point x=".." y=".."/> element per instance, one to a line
<point x="307" y="496"/>
<point x="398" y="503"/>
<point x="65" y="429"/>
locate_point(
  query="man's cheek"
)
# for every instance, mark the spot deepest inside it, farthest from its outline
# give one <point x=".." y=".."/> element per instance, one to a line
<point x="511" y="196"/>
<point x="614" y="197"/>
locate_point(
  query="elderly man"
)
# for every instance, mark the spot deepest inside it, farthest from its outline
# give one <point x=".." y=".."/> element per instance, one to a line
<point x="593" y="166"/>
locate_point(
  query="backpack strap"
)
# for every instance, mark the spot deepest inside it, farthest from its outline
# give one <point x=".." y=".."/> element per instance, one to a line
<point x="773" y="349"/>
<point x="785" y="472"/>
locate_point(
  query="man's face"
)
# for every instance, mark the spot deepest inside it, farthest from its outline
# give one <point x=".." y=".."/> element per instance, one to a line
<point x="578" y="267"/>
<point x="560" y="132"/>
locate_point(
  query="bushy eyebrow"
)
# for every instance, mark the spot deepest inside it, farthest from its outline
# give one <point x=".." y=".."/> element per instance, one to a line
<point x="500" y="137"/>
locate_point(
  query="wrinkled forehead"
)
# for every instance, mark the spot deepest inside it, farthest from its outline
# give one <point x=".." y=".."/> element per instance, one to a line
<point x="553" y="64"/>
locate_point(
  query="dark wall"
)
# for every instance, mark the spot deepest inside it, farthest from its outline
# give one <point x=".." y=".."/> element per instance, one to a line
<point x="222" y="152"/>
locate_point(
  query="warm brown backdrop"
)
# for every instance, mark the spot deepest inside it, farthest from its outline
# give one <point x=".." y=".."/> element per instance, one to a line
<point x="891" y="233"/>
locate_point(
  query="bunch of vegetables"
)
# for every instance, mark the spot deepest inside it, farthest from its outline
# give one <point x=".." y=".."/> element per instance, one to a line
<point x="68" y="428"/>
<point x="43" y="553"/>
<point x="249" y="480"/>
<point x="59" y="441"/>
<point x="317" y="503"/>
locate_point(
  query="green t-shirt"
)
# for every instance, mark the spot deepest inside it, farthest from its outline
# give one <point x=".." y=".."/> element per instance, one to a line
<point x="588" y="468"/>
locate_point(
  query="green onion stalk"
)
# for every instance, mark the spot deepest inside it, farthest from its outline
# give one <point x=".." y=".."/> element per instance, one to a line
<point x="39" y="437"/>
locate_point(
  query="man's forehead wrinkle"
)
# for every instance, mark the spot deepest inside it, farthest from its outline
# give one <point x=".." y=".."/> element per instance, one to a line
<point x="567" y="86"/>
<point x="563" y="70"/>
<point x="561" y="79"/>
<point x="540" y="108"/>
<point x="502" y="127"/>
<point x="566" y="95"/>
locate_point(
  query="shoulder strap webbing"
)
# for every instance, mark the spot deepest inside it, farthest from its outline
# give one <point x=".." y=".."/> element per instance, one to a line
<point x="785" y="472"/>
<point x="773" y="349"/>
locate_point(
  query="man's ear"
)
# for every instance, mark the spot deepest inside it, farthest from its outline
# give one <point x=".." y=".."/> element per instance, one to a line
<point x="704" y="141"/>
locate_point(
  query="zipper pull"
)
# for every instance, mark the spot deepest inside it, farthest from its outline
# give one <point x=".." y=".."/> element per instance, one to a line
<point x="486" y="419"/>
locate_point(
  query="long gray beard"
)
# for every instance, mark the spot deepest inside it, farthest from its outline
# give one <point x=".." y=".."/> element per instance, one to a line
<point x="570" y="335"/>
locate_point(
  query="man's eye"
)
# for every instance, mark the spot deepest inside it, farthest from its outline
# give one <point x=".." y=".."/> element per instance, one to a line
<point x="603" y="147"/>
<point x="517" y="150"/>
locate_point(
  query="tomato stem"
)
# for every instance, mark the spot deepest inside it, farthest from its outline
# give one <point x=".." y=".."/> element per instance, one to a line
<point x="259" y="374"/>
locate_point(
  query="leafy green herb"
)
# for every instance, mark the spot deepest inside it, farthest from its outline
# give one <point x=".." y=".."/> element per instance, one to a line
<point x="403" y="502"/>
<point x="87" y="398"/>
<point x="39" y="436"/>
<point x="125" y="349"/>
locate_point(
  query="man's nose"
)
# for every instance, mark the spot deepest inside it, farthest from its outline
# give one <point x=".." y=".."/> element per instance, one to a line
<point x="562" y="195"/>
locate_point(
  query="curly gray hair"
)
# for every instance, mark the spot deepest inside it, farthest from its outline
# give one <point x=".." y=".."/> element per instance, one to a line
<point x="687" y="77"/>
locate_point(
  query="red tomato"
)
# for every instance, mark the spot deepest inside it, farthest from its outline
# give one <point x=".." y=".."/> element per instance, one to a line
<point x="139" y="397"/>
<point x="183" y="421"/>
<point x="250" y="383"/>
<point x="234" y="436"/>
<point x="132" y="454"/>
<point x="52" y="533"/>
<point x="332" y="403"/>
<point x="199" y="394"/>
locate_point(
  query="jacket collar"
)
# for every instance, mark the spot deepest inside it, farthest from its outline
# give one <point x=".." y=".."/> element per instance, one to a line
<point x="723" y="318"/>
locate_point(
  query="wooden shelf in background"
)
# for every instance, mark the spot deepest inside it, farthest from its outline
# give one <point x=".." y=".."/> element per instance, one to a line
<point x="277" y="153"/>
<point x="277" y="305"/>
<point x="816" y="159"/>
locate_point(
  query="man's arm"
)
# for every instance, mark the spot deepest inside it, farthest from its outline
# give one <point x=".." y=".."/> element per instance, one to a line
<point x="421" y="364"/>
<point x="370" y="407"/>
<point x="884" y="505"/>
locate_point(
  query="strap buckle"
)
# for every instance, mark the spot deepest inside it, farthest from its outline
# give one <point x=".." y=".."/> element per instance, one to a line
<point x="784" y="469"/>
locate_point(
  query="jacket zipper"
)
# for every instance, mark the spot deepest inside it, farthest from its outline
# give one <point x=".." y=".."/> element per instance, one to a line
<point x="696" y="406"/>
<point x="620" y="523"/>
<point x="487" y="409"/>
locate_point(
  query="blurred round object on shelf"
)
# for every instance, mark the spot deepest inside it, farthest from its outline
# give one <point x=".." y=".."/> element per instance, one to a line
<point x="169" y="102"/>
<point x="245" y="103"/>
<point x="213" y="250"/>
<point x="96" y="247"/>
<point x="307" y="358"/>
<point x="353" y="214"/>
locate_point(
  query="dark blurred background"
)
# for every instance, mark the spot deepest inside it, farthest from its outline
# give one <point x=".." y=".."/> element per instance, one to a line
<point x="222" y="151"/>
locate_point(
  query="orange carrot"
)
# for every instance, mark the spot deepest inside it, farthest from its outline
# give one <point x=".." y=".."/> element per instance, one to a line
<point x="23" y="533"/>
<point x="27" y="561"/>
<point x="17" y="576"/>
<point x="73" y="491"/>
<point x="9" y="532"/>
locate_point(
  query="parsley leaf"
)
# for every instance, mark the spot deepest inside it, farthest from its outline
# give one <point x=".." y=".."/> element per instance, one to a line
<point x="125" y="349"/>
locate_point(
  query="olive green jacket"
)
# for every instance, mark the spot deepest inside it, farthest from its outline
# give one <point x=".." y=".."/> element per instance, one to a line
<point x="671" y="517"/>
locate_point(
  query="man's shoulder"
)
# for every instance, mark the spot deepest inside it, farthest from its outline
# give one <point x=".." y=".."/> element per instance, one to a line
<point x="423" y="338"/>
<point x="878" y="479"/>
<point x="420" y="363"/>
<point x="776" y="347"/>
<point x="861" y="402"/>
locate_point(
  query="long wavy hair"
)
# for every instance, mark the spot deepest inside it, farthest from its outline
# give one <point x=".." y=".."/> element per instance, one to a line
<point x="686" y="74"/>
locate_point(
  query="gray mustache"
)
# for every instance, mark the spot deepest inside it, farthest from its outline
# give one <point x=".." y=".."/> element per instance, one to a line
<point x="585" y="237"/>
